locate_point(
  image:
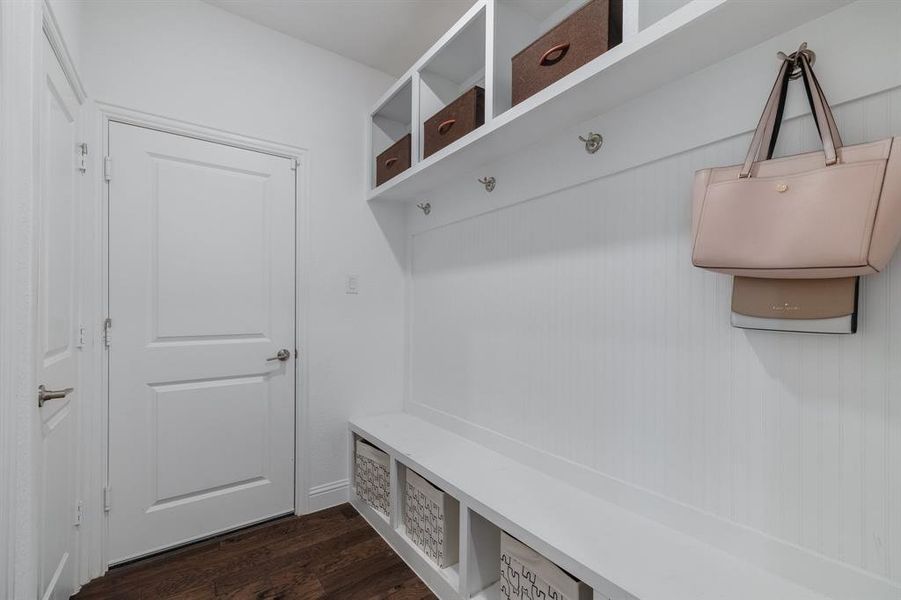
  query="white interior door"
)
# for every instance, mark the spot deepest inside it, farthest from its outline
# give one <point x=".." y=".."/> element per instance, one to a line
<point x="57" y="329"/>
<point x="201" y="297"/>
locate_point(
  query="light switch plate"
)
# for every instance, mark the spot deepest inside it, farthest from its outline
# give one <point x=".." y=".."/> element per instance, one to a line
<point x="352" y="284"/>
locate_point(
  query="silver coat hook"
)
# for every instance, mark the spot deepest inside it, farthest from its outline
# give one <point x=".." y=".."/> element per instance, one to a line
<point x="593" y="142"/>
<point x="425" y="207"/>
<point x="489" y="183"/>
<point x="793" y="58"/>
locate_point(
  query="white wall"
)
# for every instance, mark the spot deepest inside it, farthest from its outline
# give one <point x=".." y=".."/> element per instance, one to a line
<point x="560" y="320"/>
<point x="651" y="11"/>
<point x="193" y="62"/>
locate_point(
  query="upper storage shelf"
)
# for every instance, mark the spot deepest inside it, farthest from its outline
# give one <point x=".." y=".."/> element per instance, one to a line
<point x="478" y="48"/>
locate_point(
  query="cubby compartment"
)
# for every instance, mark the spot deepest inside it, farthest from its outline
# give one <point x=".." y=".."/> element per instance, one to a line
<point x="372" y="476"/>
<point x="518" y="25"/>
<point x="392" y="126"/>
<point x="429" y="521"/>
<point x="500" y="567"/>
<point x="454" y="69"/>
<point x="526" y="574"/>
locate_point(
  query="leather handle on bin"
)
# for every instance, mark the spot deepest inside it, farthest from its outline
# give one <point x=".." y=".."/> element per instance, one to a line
<point x="554" y="55"/>
<point x="390" y="162"/>
<point x="445" y="126"/>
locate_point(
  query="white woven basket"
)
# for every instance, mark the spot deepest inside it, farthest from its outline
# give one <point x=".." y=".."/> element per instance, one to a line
<point x="432" y="520"/>
<point x="526" y="575"/>
<point x="372" y="476"/>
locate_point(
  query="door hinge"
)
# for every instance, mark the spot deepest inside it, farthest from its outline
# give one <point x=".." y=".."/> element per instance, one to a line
<point x="107" y="501"/>
<point x="107" y="168"/>
<point x="83" y="157"/>
<point x="78" y="513"/>
<point x="294" y="164"/>
<point x="107" y="332"/>
<point x="82" y="337"/>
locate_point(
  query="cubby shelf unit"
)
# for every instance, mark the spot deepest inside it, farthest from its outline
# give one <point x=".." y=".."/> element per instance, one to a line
<point x="390" y="121"/>
<point x="620" y="554"/>
<point x="699" y="34"/>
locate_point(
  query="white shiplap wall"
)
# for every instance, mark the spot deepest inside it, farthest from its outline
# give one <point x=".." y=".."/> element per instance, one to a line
<point x="573" y="326"/>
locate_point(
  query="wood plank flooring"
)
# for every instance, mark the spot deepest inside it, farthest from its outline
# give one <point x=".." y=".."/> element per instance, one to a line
<point x="329" y="555"/>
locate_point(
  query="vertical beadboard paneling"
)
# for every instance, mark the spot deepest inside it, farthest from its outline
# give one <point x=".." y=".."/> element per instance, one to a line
<point x="575" y="324"/>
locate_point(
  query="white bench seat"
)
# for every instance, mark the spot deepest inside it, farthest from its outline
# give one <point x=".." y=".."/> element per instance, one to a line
<point x="603" y="544"/>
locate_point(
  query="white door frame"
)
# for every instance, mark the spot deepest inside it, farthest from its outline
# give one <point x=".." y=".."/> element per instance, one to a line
<point x="20" y="62"/>
<point x="23" y="25"/>
<point x="95" y="430"/>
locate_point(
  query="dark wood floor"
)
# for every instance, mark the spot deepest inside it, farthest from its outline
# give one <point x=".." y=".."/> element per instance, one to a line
<point x="333" y="555"/>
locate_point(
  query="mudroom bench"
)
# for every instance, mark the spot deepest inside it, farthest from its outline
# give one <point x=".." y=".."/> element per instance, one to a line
<point x="620" y="554"/>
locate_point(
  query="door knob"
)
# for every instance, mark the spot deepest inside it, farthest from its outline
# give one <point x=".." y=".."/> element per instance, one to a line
<point x="282" y="355"/>
<point x="44" y="394"/>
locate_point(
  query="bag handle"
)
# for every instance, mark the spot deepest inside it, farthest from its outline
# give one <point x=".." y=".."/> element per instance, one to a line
<point x="764" y="141"/>
<point x="823" y="112"/>
<point x="770" y="120"/>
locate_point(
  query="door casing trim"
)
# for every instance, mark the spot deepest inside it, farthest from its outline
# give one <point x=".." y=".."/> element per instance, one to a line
<point x="96" y="427"/>
<point x="21" y="63"/>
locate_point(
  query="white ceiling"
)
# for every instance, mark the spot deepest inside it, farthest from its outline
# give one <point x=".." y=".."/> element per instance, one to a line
<point x="388" y="35"/>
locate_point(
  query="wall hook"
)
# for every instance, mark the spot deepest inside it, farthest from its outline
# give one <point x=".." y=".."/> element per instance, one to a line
<point x="489" y="183"/>
<point x="793" y="58"/>
<point x="593" y="142"/>
<point x="425" y="207"/>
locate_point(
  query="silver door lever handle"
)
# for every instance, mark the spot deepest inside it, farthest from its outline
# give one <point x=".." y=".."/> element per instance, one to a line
<point x="44" y="394"/>
<point x="282" y="355"/>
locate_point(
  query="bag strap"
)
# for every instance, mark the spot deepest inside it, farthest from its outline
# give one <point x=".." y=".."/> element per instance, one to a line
<point x="770" y="120"/>
<point x="830" y="137"/>
<point x="764" y="141"/>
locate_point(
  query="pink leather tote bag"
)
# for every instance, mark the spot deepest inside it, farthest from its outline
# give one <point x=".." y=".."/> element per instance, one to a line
<point x="832" y="213"/>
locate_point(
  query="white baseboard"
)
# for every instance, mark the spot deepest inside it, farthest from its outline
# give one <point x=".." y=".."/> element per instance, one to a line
<point x="328" y="495"/>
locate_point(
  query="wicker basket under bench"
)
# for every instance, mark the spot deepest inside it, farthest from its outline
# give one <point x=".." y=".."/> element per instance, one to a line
<point x="372" y="476"/>
<point x="525" y="575"/>
<point x="432" y="520"/>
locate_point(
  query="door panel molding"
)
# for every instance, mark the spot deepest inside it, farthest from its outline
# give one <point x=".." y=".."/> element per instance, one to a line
<point x="97" y="461"/>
